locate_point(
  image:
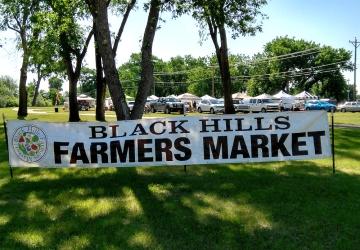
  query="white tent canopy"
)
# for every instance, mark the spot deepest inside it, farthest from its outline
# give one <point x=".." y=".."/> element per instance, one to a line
<point x="305" y="95"/>
<point x="171" y="96"/>
<point x="83" y="97"/>
<point x="188" y="97"/>
<point x="87" y="99"/>
<point x="240" y="95"/>
<point x="264" y="96"/>
<point x="207" y="97"/>
<point x="153" y="97"/>
<point x="283" y="95"/>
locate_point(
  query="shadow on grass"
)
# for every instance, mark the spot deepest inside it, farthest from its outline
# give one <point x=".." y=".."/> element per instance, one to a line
<point x="214" y="207"/>
<point x="287" y="205"/>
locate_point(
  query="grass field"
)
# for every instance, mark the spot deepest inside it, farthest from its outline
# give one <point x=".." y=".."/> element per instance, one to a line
<point x="48" y="114"/>
<point x="283" y="205"/>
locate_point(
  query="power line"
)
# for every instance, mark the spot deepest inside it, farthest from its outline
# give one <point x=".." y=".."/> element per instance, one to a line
<point x="293" y="73"/>
<point x="299" y="70"/>
<point x="280" y="57"/>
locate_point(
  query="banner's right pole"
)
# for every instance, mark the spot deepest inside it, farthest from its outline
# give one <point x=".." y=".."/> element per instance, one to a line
<point x="332" y="140"/>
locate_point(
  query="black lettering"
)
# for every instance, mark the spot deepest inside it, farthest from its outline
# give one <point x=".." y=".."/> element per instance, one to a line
<point x="127" y="151"/>
<point x="204" y="125"/>
<point x="179" y="126"/>
<point x="239" y="125"/>
<point x="178" y="145"/>
<point x="98" y="148"/>
<point x="227" y="124"/>
<point x="278" y="144"/>
<point x="152" y="128"/>
<point x="236" y="150"/>
<point x="75" y="156"/>
<point x="98" y="130"/>
<point x="260" y="125"/>
<point x="316" y="135"/>
<point x="58" y="151"/>
<point x="221" y="145"/>
<point x="114" y="131"/>
<point x="296" y="144"/>
<point x="163" y="146"/>
<point x="142" y="150"/>
<point x="139" y="129"/>
<point x="282" y="120"/>
<point x="259" y="142"/>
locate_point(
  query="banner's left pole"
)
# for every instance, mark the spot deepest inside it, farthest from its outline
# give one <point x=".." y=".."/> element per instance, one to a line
<point x="332" y="140"/>
<point x="7" y="143"/>
<point x="184" y="109"/>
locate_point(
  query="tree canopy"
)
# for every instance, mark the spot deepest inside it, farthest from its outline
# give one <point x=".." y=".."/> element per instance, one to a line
<point x="296" y="65"/>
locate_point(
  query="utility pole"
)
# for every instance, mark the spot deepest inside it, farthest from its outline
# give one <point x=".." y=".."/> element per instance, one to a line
<point x="356" y="44"/>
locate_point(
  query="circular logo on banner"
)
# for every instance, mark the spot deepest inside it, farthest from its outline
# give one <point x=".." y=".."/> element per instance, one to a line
<point x="29" y="143"/>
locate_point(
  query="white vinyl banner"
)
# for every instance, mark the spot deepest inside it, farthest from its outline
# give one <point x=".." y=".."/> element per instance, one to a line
<point x="170" y="141"/>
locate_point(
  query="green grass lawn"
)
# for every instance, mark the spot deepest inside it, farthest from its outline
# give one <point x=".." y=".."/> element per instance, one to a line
<point x="50" y="115"/>
<point x="282" y="205"/>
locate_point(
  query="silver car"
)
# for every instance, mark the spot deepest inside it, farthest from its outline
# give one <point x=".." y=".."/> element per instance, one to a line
<point x="350" y="107"/>
<point x="213" y="106"/>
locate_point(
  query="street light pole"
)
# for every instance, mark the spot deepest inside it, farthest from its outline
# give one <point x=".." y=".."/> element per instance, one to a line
<point x="348" y="89"/>
<point x="356" y="44"/>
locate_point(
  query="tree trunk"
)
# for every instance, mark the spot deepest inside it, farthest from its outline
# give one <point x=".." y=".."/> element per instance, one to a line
<point x="22" y="111"/>
<point x="225" y="72"/>
<point x="102" y="32"/>
<point x="36" y="93"/>
<point x="100" y="86"/>
<point x="73" y="105"/>
<point x="147" y="68"/>
<point x="73" y="75"/>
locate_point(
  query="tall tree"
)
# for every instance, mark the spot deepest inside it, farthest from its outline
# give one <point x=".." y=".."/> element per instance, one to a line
<point x="17" y="15"/>
<point x="147" y="67"/>
<point x="295" y="65"/>
<point x="215" y="16"/>
<point x="62" y="24"/>
<point x="124" y="8"/>
<point x="43" y="61"/>
<point x="99" y="12"/>
<point x="55" y="86"/>
<point x="8" y="92"/>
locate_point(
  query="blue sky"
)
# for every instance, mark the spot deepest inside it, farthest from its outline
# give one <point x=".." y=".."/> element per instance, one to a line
<point x="327" y="22"/>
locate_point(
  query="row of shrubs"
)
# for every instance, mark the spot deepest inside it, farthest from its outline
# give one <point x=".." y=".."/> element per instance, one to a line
<point x="9" y="101"/>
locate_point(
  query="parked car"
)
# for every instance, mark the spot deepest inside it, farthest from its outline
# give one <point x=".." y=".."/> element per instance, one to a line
<point x="319" y="105"/>
<point x="167" y="105"/>
<point x="213" y="106"/>
<point x="258" y="105"/>
<point x="237" y="104"/>
<point x="349" y="107"/>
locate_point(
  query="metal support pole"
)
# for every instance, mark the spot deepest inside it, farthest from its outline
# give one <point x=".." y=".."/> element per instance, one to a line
<point x="7" y="143"/>
<point x="184" y="116"/>
<point x="332" y="140"/>
<point x="356" y="44"/>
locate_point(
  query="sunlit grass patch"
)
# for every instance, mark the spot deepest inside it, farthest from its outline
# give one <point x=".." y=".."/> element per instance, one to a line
<point x="75" y="242"/>
<point x="32" y="238"/>
<point x="141" y="239"/>
<point x="4" y="219"/>
<point x="92" y="208"/>
<point x="235" y="210"/>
